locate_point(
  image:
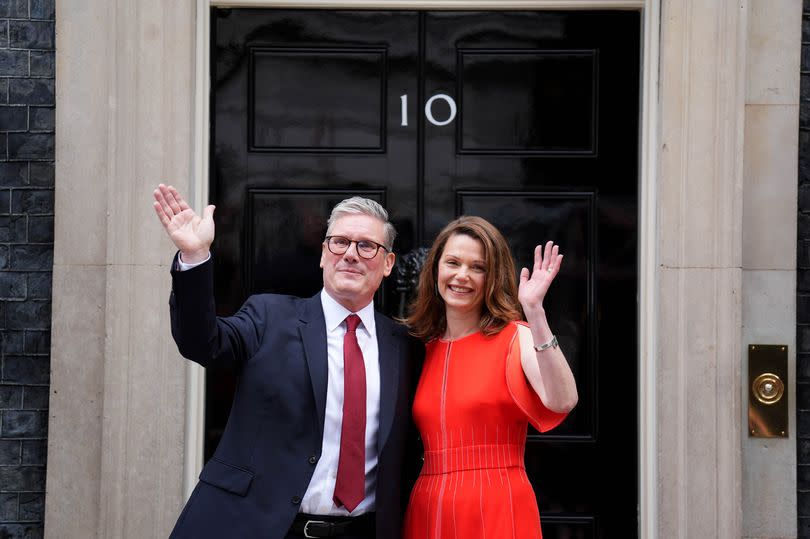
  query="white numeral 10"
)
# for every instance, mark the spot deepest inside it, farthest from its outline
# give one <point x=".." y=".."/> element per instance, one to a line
<point x="429" y="109"/>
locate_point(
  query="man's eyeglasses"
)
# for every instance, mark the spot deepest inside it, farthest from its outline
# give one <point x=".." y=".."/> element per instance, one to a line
<point x="365" y="248"/>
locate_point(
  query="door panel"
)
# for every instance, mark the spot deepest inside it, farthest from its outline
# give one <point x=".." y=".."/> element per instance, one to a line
<point x="532" y="123"/>
<point x="346" y="115"/>
<point x="551" y="98"/>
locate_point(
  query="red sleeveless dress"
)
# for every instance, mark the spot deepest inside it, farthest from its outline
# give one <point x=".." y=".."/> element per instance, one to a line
<point x="472" y="407"/>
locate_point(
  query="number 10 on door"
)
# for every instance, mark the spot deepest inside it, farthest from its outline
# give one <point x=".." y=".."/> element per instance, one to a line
<point x="429" y="109"/>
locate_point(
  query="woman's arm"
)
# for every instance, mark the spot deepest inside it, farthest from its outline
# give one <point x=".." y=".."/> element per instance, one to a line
<point x="543" y="362"/>
<point x="548" y="373"/>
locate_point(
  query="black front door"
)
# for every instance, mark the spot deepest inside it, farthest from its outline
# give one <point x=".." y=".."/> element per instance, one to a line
<point x="529" y="119"/>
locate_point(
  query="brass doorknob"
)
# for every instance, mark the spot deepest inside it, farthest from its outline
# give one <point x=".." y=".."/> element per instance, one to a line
<point x="768" y="388"/>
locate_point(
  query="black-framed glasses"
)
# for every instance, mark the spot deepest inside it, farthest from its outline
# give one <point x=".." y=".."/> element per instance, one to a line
<point x="365" y="248"/>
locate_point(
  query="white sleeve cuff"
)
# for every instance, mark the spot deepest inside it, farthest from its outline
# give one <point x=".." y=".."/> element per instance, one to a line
<point x="182" y="266"/>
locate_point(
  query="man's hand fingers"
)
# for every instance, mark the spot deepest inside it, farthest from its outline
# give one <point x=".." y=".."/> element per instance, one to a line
<point x="164" y="205"/>
<point x="181" y="202"/>
<point x="171" y="200"/>
<point x="164" y="219"/>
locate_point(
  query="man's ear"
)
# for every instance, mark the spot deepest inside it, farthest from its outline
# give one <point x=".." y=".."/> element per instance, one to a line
<point x="323" y="254"/>
<point x="390" y="258"/>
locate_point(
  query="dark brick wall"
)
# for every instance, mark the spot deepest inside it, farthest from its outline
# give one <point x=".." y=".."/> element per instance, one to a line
<point x="803" y="289"/>
<point x="26" y="258"/>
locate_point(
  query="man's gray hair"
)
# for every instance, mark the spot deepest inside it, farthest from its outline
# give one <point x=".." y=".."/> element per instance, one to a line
<point x="363" y="206"/>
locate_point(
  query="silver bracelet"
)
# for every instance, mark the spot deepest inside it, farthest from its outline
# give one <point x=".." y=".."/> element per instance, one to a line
<point x="550" y="344"/>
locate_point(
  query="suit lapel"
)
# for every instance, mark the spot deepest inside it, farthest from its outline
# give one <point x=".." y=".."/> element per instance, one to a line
<point x="313" y="335"/>
<point x="388" y="347"/>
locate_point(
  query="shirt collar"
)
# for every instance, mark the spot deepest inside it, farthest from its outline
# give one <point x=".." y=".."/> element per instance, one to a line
<point x="334" y="313"/>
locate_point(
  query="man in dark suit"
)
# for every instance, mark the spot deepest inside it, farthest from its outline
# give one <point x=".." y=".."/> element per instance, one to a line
<point x="315" y="442"/>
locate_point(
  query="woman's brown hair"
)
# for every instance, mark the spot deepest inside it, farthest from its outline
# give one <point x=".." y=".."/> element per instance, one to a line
<point x="426" y="314"/>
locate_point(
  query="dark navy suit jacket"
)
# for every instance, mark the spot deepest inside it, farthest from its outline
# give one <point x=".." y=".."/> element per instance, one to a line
<point x="254" y="483"/>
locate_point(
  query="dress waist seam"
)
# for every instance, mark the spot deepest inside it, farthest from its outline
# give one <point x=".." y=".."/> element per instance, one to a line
<point x="479" y="457"/>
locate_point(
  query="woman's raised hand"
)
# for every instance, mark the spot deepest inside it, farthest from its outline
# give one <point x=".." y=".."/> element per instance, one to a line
<point x="533" y="287"/>
<point x="190" y="233"/>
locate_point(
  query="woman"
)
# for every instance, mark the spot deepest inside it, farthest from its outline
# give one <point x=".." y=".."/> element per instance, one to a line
<point x="486" y="376"/>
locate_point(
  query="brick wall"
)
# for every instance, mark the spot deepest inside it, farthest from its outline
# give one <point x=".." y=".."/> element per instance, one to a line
<point x="803" y="289"/>
<point x="26" y="258"/>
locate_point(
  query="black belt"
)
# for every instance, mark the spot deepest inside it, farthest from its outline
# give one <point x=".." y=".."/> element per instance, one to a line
<point x="333" y="526"/>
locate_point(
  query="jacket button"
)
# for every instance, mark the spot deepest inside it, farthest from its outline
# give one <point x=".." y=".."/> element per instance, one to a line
<point x="296" y="500"/>
<point x="313" y="459"/>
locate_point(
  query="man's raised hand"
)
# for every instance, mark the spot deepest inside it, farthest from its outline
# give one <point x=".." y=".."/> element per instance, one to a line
<point x="190" y="233"/>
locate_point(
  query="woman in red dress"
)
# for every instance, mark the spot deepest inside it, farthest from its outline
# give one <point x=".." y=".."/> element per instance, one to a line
<point x="486" y="376"/>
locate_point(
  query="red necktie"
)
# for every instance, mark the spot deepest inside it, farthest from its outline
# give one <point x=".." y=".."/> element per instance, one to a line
<point x="350" y="484"/>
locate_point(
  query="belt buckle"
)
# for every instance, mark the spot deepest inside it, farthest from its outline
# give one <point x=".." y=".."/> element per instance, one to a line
<point x="306" y="533"/>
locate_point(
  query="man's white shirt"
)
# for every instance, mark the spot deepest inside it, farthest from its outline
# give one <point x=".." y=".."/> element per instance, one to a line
<point x="318" y="498"/>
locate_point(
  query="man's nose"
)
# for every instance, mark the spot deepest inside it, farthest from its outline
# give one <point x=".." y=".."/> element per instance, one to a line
<point x="352" y="255"/>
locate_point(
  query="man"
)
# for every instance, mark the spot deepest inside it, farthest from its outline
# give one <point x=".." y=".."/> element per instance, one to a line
<point x="315" y="442"/>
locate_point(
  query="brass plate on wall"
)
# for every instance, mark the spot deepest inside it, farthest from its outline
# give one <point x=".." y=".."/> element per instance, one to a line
<point x="767" y="396"/>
